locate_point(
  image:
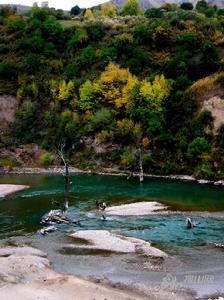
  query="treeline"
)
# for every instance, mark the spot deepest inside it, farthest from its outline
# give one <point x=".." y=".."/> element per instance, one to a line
<point x="117" y="88"/>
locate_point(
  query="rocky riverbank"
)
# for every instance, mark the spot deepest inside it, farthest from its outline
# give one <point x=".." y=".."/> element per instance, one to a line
<point x="26" y="274"/>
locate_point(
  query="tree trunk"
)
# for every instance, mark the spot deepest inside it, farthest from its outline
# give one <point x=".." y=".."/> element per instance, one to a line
<point x="66" y="179"/>
<point x="141" y="174"/>
<point x="66" y="189"/>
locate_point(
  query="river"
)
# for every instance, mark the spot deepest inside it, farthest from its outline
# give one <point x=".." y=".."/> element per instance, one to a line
<point x="193" y="262"/>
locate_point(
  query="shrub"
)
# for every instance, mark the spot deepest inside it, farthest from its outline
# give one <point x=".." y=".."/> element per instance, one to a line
<point x="127" y="160"/>
<point x="8" y="70"/>
<point x="101" y="119"/>
<point x="45" y="159"/>
<point x="131" y="8"/>
<point x="88" y="56"/>
<point x="154" y="13"/>
<point x="186" y="6"/>
<point x="198" y="146"/>
<point x="105" y="136"/>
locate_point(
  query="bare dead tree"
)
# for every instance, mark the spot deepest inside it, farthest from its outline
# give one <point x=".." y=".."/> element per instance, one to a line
<point x="66" y="178"/>
<point x="60" y="216"/>
<point x="141" y="174"/>
<point x="137" y="137"/>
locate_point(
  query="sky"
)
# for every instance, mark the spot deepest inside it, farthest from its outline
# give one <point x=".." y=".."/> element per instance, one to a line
<point x="66" y="4"/>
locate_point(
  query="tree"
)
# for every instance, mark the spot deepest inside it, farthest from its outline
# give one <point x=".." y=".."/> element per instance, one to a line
<point x="88" y="56"/>
<point x="52" y="31"/>
<point x="108" y="9"/>
<point x="86" y="99"/>
<point x="131" y="8"/>
<point x="61" y="90"/>
<point x="202" y="6"/>
<point x="88" y="14"/>
<point x="66" y="178"/>
<point x="155" y="93"/>
<point x="137" y="133"/>
<point x="198" y="146"/>
<point x="186" y="6"/>
<point x="115" y="86"/>
<point x="75" y="10"/>
<point x="154" y="13"/>
<point x="79" y="38"/>
<point x="8" y="70"/>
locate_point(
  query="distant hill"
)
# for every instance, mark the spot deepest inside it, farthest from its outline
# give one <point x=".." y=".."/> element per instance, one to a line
<point x="145" y="4"/>
<point x="20" y="8"/>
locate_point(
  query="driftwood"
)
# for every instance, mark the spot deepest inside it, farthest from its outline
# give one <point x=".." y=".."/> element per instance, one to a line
<point x="58" y="217"/>
<point x="55" y="217"/>
<point x="47" y="230"/>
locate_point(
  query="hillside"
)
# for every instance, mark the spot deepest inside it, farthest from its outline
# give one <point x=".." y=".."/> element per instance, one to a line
<point x="145" y="4"/>
<point x="19" y="8"/>
<point x="118" y="91"/>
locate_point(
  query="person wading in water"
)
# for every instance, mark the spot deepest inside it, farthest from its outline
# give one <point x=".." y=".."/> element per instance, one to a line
<point x="101" y="206"/>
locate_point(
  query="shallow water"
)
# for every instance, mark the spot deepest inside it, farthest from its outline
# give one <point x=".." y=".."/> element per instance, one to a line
<point x="20" y="215"/>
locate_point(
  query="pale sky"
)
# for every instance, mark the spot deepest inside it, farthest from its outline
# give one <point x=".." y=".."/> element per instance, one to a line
<point x="66" y="4"/>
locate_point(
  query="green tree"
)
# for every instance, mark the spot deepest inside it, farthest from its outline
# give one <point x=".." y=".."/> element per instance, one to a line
<point x="45" y="159"/>
<point x="131" y="8"/>
<point x="79" y="38"/>
<point x="86" y="96"/>
<point x="102" y="119"/>
<point x="154" y="13"/>
<point x="186" y="6"/>
<point x="52" y="31"/>
<point x="8" y="70"/>
<point x="75" y="10"/>
<point x="198" y="146"/>
<point x="88" y="56"/>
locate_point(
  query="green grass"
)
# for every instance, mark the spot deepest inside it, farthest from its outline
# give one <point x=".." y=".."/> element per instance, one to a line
<point x="69" y="23"/>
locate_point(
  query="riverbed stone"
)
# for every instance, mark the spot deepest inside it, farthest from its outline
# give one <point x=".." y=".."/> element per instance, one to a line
<point x="110" y="241"/>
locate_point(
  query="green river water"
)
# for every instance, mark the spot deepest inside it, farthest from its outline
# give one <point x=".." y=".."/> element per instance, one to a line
<point x="190" y="250"/>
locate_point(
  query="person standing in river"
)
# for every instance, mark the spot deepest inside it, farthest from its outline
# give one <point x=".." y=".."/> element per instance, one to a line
<point x="101" y="206"/>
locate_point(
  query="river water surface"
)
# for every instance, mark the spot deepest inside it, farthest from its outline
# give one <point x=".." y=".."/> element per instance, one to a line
<point x="194" y="263"/>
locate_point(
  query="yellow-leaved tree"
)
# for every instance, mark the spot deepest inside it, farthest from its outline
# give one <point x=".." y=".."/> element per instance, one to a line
<point x="61" y="90"/>
<point x="115" y="86"/>
<point x="88" y="14"/>
<point x="155" y="93"/>
<point x="108" y="9"/>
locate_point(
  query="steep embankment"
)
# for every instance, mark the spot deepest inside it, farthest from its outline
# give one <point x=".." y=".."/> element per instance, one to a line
<point x="8" y="108"/>
<point x="209" y="92"/>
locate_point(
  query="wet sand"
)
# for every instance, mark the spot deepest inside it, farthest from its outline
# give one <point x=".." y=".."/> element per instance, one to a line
<point x="25" y="274"/>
